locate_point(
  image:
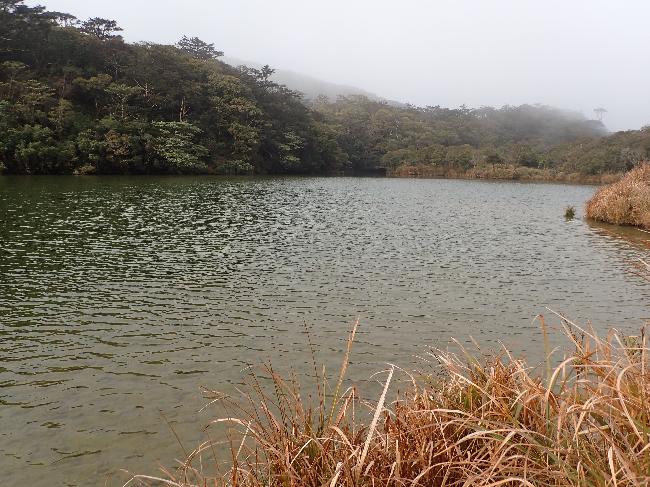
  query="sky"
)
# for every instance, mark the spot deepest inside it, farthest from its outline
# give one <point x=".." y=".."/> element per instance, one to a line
<point x="574" y="54"/>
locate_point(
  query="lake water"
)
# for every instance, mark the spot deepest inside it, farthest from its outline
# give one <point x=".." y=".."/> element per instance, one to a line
<point x="120" y="297"/>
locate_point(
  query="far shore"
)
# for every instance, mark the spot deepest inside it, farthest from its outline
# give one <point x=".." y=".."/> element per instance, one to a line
<point x="503" y="173"/>
<point x="478" y="173"/>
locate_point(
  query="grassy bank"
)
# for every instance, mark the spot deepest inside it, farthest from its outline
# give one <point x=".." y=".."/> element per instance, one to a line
<point x="502" y="172"/>
<point x="626" y="202"/>
<point x="581" y="419"/>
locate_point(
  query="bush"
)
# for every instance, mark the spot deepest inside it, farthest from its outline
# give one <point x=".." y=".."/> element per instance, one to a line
<point x="85" y="170"/>
<point x="626" y="202"/>
<point x="235" y="168"/>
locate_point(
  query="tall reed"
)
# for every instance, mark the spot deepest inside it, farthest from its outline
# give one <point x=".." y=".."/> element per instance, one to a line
<point x="582" y="419"/>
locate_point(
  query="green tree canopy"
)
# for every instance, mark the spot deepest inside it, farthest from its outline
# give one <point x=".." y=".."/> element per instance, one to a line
<point x="198" y="49"/>
<point x="102" y="29"/>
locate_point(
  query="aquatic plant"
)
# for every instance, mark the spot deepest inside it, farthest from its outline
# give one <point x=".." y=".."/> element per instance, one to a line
<point x="472" y="420"/>
<point x="569" y="212"/>
<point x="626" y="202"/>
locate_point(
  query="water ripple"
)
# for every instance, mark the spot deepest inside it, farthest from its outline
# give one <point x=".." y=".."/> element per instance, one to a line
<point x="119" y="297"/>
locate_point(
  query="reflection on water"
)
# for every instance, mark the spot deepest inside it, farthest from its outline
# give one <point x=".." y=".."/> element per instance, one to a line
<point x="635" y="237"/>
<point x="119" y="297"/>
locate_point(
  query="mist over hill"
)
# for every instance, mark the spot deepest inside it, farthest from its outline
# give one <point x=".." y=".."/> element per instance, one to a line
<point x="310" y="86"/>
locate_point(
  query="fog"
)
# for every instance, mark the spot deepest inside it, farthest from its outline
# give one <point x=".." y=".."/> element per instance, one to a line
<point x="578" y="54"/>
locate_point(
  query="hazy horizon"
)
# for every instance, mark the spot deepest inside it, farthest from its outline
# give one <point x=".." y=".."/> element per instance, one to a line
<point x="575" y="55"/>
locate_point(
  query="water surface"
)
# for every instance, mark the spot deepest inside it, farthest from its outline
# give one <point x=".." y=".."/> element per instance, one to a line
<point x="120" y="297"/>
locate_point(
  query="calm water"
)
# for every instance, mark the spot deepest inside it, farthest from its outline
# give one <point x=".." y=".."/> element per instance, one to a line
<point x="120" y="297"/>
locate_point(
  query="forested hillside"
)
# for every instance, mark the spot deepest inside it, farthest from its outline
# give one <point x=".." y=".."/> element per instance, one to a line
<point x="76" y="98"/>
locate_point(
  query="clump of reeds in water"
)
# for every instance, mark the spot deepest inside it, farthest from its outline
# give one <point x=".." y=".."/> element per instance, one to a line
<point x="474" y="422"/>
<point x="569" y="213"/>
<point x="626" y="202"/>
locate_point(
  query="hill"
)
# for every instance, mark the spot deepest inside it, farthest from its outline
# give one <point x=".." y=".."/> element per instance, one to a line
<point x="76" y="98"/>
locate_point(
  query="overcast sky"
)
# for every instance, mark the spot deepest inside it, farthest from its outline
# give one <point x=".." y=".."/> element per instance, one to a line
<point x="577" y="54"/>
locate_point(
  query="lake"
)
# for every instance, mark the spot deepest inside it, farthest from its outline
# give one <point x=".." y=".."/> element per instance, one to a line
<point x="121" y="296"/>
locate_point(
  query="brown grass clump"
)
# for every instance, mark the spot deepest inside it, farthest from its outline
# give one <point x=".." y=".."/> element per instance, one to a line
<point x="626" y="202"/>
<point x="491" y="421"/>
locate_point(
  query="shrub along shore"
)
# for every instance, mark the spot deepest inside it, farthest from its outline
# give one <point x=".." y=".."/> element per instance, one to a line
<point x="504" y="172"/>
<point x="475" y="420"/>
<point x="626" y="202"/>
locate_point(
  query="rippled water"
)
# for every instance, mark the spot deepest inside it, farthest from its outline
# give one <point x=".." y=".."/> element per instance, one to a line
<point x="119" y="297"/>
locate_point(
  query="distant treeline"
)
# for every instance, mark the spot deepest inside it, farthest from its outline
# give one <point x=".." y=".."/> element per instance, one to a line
<point x="76" y="98"/>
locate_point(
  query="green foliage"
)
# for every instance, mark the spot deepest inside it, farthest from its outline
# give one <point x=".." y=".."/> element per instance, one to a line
<point x="102" y="29"/>
<point x="618" y="152"/>
<point x="245" y="138"/>
<point x="174" y="145"/>
<point x="526" y="156"/>
<point x="61" y="116"/>
<point x="34" y="150"/>
<point x="74" y="97"/>
<point x="90" y="148"/>
<point x="88" y="98"/>
<point x="234" y="168"/>
<point x="198" y="49"/>
<point x="569" y="213"/>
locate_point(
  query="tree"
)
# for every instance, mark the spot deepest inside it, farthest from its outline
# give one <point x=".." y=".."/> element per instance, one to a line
<point x="246" y="140"/>
<point x="34" y="99"/>
<point x="23" y="31"/>
<point x="174" y="145"/>
<point x="289" y="149"/>
<point x="14" y="70"/>
<point x="63" y="19"/>
<point x="95" y="89"/>
<point x="62" y="115"/>
<point x="600" y="112"/>
<point x="526" y="156"/>
<point x="9" y="5"/>
<point x="121" y="94"/>
<point x="103" y="29"/>
<point x="459" y="156"/>
<point x="198" y="49"/>
<point x="35" y="148"/>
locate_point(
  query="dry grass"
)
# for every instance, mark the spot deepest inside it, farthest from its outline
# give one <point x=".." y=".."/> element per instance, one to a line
<point x="626" y="202"/>
<point x="501" y="172"/>
<point x="474" y="421"/>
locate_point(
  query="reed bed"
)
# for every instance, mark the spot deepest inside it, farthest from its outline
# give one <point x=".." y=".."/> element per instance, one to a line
<point x="579" y="419"/>
<point x="505" y="172"/>
<point x="626" y="202"/>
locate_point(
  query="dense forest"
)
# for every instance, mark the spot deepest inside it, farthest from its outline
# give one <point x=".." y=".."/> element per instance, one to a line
<point x="76" y="98"/>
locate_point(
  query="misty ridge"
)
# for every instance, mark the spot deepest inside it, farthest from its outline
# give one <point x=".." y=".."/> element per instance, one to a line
<point x="76" y="98"/>
<point x="311" y="88"/>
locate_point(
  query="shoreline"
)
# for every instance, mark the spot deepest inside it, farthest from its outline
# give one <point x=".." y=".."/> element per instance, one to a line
<point x="569" y="179"/>
<point x="505" y="173"/>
